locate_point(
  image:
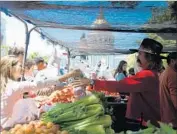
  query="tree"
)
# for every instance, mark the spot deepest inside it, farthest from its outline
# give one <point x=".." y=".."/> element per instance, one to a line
<point x="33" y="55"/>
<point x="46" y="58"/>
<point x="168" y="16"/>
<point x="4" y="50"/>
<point x="165" y="42"/>
<point x="36" y="54"/>
<point x="131" y="59"/>
<point x="160" y="15"/>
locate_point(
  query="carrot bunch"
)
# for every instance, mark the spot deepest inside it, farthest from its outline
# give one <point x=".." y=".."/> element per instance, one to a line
<point x="105" y="91"/>
<point x="65" y="95"/>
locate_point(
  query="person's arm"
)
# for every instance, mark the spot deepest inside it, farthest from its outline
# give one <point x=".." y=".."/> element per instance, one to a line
<point x="172" y="84"/>
<point x="138" y="83"/>
<point x="28" y="86"/>
<point x="35" y="71"/>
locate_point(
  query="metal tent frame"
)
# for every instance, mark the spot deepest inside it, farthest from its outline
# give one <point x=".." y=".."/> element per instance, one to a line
<point x="82" y="50"/>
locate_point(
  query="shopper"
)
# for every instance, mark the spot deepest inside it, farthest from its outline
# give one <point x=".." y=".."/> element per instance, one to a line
<point x="98" y="68"/>
<point x="131" y="72"/>
<point x="12" y="90"/>
<point x="39" y="65"/>
<point x="168" y="91"/>
<point x="121" y="72"/>
<point x="29" y="66"/>
<point x="143" y="86"/>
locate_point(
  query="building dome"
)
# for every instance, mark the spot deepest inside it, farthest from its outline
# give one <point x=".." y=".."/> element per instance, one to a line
<point x="100" y="22"/>
<point x="100" y="38"/>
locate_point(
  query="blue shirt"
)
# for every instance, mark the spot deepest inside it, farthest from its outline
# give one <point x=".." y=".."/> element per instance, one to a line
<point x="119" y="76"/>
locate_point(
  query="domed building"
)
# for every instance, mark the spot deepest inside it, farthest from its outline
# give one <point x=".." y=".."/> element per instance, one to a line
<point x="100" y="22"/>
<point x="100" y="38"/>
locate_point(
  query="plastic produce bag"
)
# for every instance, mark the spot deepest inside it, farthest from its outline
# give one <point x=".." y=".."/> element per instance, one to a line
<point x="84" y="67"/>
<point x="24" y="111"/>
<point x="79" y="92"/>
<point x="105" y="74"/>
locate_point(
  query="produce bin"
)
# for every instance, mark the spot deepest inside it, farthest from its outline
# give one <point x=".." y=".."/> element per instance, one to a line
<point x="120" y="122"/>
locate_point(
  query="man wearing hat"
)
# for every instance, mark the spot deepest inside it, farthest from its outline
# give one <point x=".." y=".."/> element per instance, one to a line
<point x="143" y="86"/>
<point x="168" y="91"/>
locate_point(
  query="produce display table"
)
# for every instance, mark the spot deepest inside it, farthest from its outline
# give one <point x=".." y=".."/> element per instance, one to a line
<point x="119" y="111"/>
<point x="120" y="123"/>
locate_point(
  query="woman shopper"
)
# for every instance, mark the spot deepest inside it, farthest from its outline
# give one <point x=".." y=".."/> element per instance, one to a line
<point x="12" y="90"/>
<point x="120" y="72"/>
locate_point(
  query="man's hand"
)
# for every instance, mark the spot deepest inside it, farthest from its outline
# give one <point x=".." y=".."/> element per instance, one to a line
<point x="74" y="73"/>
<point x="83" y="82"/>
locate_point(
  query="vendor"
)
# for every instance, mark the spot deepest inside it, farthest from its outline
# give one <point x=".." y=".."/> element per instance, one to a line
<point x="168" y="91"/>
<point x="143" y="87"/>
<point x="12" y="90"/>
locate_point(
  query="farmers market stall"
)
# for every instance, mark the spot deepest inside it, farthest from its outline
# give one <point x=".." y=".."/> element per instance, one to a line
<point x="84" y="116"/>
<point x="94" y="113"/>
<point x="88" y="115"/>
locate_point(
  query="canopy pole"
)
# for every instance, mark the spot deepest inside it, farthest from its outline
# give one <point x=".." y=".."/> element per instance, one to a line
<point x="27" y="38"/>
<point x="68" y="59"/>
<point x="26" y="41"/>
<point x="26" y="47"/>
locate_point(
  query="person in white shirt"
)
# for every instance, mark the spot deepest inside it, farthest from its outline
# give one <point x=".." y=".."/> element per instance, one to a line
<point x="29" y="66"/>
<point x="12" y="90"/>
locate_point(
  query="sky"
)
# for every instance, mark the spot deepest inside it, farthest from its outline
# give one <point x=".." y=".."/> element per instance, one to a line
<point x="15" y="30"/>
<point x="122" y="40"/>
<point x="15" y="35"/>
<point x="79" y="17"/>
